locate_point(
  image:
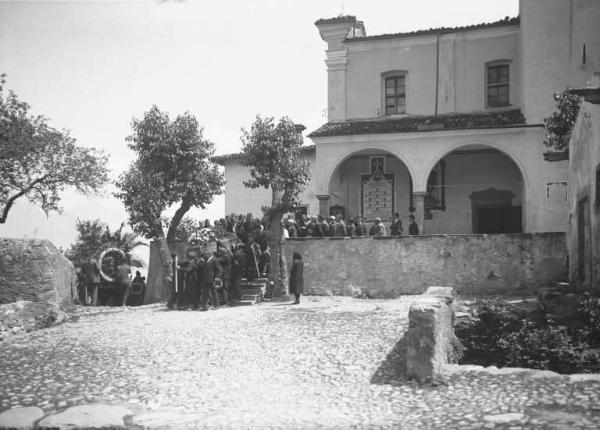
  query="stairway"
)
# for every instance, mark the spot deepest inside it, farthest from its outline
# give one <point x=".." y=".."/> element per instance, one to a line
<point x="252" y="292"/>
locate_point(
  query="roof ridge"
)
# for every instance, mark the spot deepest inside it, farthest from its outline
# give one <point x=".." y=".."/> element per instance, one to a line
<point x="441" y="30"/>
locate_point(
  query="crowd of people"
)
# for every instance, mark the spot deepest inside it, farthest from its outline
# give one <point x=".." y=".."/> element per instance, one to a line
<point x="320" y="226"/>
<point x="208" y="280"/>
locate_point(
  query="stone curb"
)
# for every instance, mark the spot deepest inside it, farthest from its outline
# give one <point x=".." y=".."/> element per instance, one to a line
<point x="531" y="373"/>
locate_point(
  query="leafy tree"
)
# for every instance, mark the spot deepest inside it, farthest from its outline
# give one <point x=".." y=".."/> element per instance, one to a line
<point x="560" y="123"/>
<point x="94" y="236"/>
<point x="172" y="167"/>
<point x="272" y="152"/>
<point x="39" y="161"/>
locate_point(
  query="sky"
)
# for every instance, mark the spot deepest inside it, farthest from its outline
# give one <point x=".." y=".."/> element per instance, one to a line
<point x="90" y="67"/>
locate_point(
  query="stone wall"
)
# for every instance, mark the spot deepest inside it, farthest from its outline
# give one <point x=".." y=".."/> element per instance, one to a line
<point x="387" y="267"/>
<point x="584" y="199"/>
<point x="34" y="270"/>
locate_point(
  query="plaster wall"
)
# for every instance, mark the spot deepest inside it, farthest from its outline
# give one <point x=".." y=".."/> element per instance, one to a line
<point x="463" y="57"/>
<point x="584" y="161"/>
<point x="421" y="151"/>
<point x="469" y="172"/>
<point x="552" y="36"/>
<point x="506" y="264"/>
<point x="241" y="200"/>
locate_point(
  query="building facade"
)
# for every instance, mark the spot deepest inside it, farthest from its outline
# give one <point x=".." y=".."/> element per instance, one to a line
<point x="445" y="124"/>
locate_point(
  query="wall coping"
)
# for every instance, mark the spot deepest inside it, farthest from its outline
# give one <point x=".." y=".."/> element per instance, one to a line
<point x="425" y="236"/>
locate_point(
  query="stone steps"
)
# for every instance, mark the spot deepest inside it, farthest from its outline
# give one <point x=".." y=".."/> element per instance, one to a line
<point x="251" y="292"/>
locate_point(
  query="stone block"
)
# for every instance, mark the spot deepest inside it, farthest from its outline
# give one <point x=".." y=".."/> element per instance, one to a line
<point x="87" y="417"/>
<point x="35" y="270"/>
<point x="20" y="418"/>
<point x="430" y="337"/>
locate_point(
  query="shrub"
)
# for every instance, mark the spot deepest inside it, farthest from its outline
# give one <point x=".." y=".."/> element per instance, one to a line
<point x="502" y="335"/>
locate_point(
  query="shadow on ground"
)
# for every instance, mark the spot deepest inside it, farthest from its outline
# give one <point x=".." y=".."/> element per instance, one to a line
<point x="392" y="370"/>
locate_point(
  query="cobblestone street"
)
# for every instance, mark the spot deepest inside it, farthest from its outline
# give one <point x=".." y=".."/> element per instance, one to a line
<point x="326" y="363"/>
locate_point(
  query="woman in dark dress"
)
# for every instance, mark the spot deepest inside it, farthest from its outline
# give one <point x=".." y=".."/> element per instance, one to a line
<point x="297" y="277"/>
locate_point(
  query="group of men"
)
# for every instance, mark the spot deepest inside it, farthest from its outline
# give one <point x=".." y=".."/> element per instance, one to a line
<point x="336" y="226"/>
<point x="212" y="280"/>
<point x="97" y="290"/>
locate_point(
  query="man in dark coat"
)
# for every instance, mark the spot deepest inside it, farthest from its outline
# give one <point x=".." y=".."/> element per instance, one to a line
<point x="340" y="227"/>
<point x="396" y="225"/>
<point x="92" y="280"/>
<point x="413" y="227"/>
<point x="317" y="231"/>
<point x="212" y="271"/>
<point x="124" y="281"/>
<point x="297" y="277"/>
<point x="361" y="228"/>
<point x="225" y="260"/>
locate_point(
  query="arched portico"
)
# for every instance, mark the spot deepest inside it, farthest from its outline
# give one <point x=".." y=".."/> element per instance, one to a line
<point x="475" y="188"/>
<point x="370" y="182"/>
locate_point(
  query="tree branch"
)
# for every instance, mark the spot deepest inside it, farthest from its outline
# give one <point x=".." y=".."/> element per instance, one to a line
<point x="21" y="193"/>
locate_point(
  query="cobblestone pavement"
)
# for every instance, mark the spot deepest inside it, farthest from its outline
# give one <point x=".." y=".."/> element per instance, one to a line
<point x="326" y="363"/>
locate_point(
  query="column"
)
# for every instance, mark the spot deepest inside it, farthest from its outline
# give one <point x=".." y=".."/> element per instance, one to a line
<point x="323" y="204"/>
<point x="419" y="213"/>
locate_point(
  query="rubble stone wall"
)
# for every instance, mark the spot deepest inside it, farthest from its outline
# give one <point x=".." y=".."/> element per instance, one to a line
<point x="35" y="270"/>
<point x="388" y="267"/>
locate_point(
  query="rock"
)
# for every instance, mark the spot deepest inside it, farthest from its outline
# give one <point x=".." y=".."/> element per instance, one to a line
<point x="25" y="316"/>
<point x="20" y="418"/>
<point x="504" y="418"/>
<point x="35" y="270"/>
<point x="88" y="417"/>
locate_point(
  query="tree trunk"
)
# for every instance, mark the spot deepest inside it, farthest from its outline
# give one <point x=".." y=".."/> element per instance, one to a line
<point x="179" y="213"/>
<point x="277" y="274"/>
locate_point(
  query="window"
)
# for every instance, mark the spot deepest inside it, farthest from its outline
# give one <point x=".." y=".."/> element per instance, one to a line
<point x="395" y="94"/>
<point x="498" y="86"/>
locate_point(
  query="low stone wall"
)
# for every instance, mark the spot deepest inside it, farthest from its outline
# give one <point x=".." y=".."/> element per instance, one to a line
<point x="430" y="335"/>
<point x="35" y="270"/>
<point x="388" y="267"/>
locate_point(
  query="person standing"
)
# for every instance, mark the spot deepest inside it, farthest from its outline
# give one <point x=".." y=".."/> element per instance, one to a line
<point x="124" y="281"/>
<point x="297" y="277"/>
<point x="361" y="228"/>
<point x="396" y="226"/>
<point x="212" y="271"/>
<point x="92" y="280"/>
<point x="340" y="227"/>
<point x="413" y="227"/>
<point x="225" y="261"/>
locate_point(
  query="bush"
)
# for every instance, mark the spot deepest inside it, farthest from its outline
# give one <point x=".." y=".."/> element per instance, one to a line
<point x="502" y="335"/>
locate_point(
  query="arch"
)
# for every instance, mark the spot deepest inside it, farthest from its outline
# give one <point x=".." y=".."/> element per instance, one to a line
<point x="502" y="149"/>
<point x="523" y="180"/>
<point x="346" y="155"/>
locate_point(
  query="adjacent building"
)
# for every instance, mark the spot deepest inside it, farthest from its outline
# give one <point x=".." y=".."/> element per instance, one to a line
<point x="445" y="123"/>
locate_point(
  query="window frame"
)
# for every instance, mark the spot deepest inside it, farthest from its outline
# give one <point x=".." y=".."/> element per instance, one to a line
<point x="393" y="74"/>
<point x="497" y="64"/>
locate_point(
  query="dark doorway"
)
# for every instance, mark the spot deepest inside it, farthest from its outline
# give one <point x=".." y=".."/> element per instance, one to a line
<point x="492" y="212"/>
<point x="583" y="241"/>
<point x="499" y="220"/>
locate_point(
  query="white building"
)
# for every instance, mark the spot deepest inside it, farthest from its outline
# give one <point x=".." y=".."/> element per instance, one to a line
<point x="444" y="123"/>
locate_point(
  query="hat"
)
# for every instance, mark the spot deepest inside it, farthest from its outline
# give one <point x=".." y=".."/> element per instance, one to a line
<point x="378" y="219"/>
<point x="332" y="217"/>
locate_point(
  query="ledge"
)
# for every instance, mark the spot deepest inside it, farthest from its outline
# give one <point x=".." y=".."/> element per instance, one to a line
<point x="423" y="123"/>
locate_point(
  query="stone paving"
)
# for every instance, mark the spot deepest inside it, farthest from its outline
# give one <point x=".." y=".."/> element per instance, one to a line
<point x="330" y="362"/>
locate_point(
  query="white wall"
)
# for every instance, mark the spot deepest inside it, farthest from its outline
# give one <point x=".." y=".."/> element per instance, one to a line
<point x="241" y="200"/>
